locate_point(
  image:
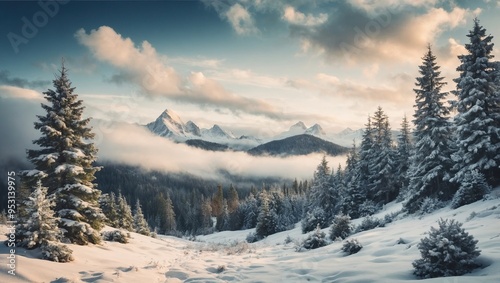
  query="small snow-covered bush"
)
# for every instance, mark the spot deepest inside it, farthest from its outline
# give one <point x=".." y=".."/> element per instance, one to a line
<point x="57" y="252"/>
<point x="313" y="219"/>
<point x="252" y="237"/>
<point x="369" y="223"/>
<point x="430" y="205"/>
<point x="288" y="240"/>
<point x="447" y="251"/>
<point x="315" y="240"/>
<point x="351" y="246"/>
<point x="368" y="207"/>
<point x="116" y="236"/>
<point x="473" y="188"/>
<point x="341" y="227"/>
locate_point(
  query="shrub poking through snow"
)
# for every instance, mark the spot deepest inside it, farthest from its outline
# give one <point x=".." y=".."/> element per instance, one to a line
<point x="369" y="223"/>
<point x="253" y="237"/>
<point x="315" y="240"/>
<point x="430" y="205"/>
<point x="447" y="251"/>
<point x="116" y="236"/>
<point x="472" y="189"/>
<point x="341" y="227"/>
<point x="57" y="252"/>
<point x="351" y="246"/>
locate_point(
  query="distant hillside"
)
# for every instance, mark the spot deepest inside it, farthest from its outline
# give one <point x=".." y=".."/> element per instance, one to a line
<point x="206" y="145"/>
<point x="298" y="145"/>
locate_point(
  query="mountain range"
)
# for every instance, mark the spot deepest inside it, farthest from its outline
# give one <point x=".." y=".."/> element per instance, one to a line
<point x="298" y="140"/>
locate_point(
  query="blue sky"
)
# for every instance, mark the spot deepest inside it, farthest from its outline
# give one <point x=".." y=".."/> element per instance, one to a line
<point x="255" y="66"/>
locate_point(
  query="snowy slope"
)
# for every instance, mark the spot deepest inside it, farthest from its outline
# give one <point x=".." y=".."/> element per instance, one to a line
<point x="170" y="259"/>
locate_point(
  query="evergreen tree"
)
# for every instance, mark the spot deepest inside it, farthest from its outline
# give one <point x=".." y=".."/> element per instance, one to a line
<point x="40" y="227"/>
<point x="366" y="156"/>
<point x="382" y="187"/>
<point x="125" y="218"/>
<point x="251" y="212"/>
<point x="206" y="214"/>
<point x="234" y="199"/>
<point x="478" y="106"/>
<point x="447" y="251"/>
<point x="217" y="202"/>
<point x="140" y="224"/>
<point x="66" y="155"/>
<point x="323" y="199"/>
<point x="431" y="163"/>
<point x="472" y="189"/>
<point x="107" y="202"/>
<point x="170" y="223"/>
<point x="266" y="223"/>
<point x="223" y="219"/>
<point x="315" y="240"/>
<point x="403" y="153"/>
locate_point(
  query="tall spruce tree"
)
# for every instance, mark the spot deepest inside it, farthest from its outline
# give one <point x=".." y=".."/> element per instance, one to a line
<point x="66" y="155"/>
<point x="382" y="187"/>
<point x="170" y="225"/>
<point x="431" y="163"/>
<point x="478" y="106"/>
<point x="140" y="224"/>
<point x="125" y="218"/>
<point x="403" y="153"/>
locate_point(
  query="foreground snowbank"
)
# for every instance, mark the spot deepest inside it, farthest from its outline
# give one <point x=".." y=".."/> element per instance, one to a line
<point x="224" y="257"/>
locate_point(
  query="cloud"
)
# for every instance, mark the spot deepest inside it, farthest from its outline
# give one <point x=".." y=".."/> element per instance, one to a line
<point x="20" y="93"/>
<point x="295" y="17"/>
<point x="5" y="78"/>
<point x="18" y="111"/>
<point x="357" y="36"/>
<point x="149" y="70"/>
<point x="240" y="20"/>
<point x="135" y="145"/>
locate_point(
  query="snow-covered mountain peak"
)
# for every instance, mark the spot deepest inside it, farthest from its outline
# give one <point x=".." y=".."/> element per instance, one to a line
<point x="171" y="116"/>
<point x="217" y="132"/>
<point x="315" y="130"/>
<point x="168" y="124"/>
<point x="192" y="128"/>
<point x="299" y="126"/>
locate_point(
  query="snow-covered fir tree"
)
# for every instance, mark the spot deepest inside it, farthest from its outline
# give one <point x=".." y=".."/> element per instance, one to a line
<point x="403" y="153"/>
<point x="472" y="188"/>
<point x="478" y="109"/>
<point x="315" y="240"/>
<point x="447" y="251"/>
<point x="107" y="202"/>
<point x="125" y="217"/>
<point x="366" y="154"/>
<point x="41" y="225"/>
<point x="324" y="201"/>
<point x="251" y="212"/>
<point x="353" y="196"/>
<point x="140" y="224"/>
<point x="382" y="188"/>
<point x="430" y="162"/>
<point x="66" y="155"/>
<point x="266" y="222"/>
<point x="341" y="227"/>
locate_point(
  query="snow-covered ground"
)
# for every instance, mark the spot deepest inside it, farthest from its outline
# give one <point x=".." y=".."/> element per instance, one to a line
<point x="225" y="257"/>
